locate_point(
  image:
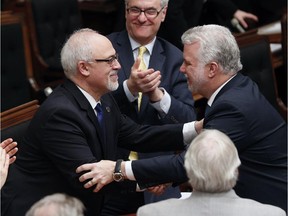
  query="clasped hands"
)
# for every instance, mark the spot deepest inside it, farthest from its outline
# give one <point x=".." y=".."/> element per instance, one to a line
<point x="100" y="174"/>
<point x="145" y="81"/>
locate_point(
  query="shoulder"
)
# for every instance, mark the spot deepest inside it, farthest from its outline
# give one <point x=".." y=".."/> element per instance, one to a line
<point x="168" y="47"/>
<point x="258" y="208"/>
<point x="165" y="207"/>
<point x="118" y="37"/>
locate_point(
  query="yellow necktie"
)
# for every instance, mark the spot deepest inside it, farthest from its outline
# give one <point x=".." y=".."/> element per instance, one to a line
<point x="141" y="50"/>
<point x="142" y="66"/>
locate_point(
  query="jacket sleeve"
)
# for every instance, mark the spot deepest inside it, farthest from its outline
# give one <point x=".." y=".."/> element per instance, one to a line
<point x="158" y="170"/>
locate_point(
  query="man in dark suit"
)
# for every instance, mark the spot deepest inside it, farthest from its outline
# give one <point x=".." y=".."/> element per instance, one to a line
<point x="235" y="107"/>
<point x="67" y="132"/>
<point x="170" y="103"/>
<point x="211" y="163"/>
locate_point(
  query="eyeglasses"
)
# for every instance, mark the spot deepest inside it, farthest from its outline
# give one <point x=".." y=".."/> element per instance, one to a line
<point x="110" y="60"/>
<point x="150" y="13"/>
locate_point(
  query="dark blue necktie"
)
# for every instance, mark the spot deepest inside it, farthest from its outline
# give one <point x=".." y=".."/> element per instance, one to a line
<point x="99" y="111"/>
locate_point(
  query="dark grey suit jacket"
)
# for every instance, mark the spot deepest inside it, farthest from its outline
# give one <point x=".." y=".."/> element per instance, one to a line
<point x="259" y="133"/>
<point x="166" y="58"/>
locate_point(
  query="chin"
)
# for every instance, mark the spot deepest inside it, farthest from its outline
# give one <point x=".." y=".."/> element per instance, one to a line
<point x="113" y="86"/>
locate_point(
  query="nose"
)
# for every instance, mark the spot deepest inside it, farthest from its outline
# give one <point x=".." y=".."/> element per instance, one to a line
<point x="142" y="17"/>
<point x="116" y="64"/>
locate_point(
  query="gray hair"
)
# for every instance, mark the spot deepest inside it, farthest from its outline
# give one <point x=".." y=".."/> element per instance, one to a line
<point x="216" y="44"/>
<point x="77" y="47"/>
<point x="62" y="204"/>
<point x="212" y="162"/>
<point x="163" y="3"/>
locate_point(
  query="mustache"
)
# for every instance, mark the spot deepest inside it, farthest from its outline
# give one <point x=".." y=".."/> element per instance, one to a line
<point x="113" y="72"/>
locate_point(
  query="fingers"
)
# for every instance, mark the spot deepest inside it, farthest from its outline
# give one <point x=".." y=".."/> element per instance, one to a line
<point x="85" y="176"/>
<point x="99" y="184"/>
<point x="150" y="82"/>
<point x="98" y="187"/>
<point x="242" y="15"/>
<point x="6" y="142"/>
<point x="158" y="190"/>
<point x="252" y="16"/>
<point x="12" y="153"/>
<point x="11" y="159"/>
<point x="84" y="167"/>
<point x="90" y="183"/>
<point x="136" y="64"/>
<point x="9" y="145"/>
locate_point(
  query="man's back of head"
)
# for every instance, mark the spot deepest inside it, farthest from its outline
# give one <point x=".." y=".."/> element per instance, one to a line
<point x="57" y="205"/>
<point x="212" y="162"/>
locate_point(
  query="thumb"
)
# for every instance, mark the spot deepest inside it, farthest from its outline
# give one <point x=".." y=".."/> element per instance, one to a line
<point x="136" y="64"/>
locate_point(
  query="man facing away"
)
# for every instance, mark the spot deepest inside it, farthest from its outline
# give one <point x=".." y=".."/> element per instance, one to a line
<point x="57" y="204"/>
<point x="211" y="163"/>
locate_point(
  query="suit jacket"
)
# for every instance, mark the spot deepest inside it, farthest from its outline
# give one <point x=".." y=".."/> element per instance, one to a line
<point x="209" y="204"/>
<point x="168" y="59"/>
<point x="65" y="134"/>
<point x="259" y="133"/>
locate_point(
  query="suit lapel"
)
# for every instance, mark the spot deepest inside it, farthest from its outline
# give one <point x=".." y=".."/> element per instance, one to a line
<point x="126" y="61"/>
<point x="157" y="57"/>
<point x="84" y="104"/>
<point x="109" y="151"/>
<point x="126" y="58"/>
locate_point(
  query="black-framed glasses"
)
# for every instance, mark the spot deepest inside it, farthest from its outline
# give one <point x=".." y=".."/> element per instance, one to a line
<point x="150" y="13"/>
<point x="109" y="60"/>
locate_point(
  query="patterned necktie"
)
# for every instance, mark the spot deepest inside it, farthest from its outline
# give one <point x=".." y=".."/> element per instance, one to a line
<point x="141" y="50"/>
<point x="142" y="66"/>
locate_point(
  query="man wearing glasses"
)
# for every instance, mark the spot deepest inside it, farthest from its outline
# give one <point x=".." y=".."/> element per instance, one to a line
<point x="70" y="128"/>
<point x="169" y="103"/>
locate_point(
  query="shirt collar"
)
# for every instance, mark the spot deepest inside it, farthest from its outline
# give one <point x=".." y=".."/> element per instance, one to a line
<point x="212" y="98"/>
<point x="90" y="99"/>
<point x="148" y="46"/>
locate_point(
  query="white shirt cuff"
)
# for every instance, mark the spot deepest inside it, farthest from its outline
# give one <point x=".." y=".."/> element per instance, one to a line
<point x="164" y="104"/>
<point x="129" y="171"/>
<point x="189" y="132"/>
<point x="129" y="95"/>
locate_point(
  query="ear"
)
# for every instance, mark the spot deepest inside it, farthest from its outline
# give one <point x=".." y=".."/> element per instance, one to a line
<point x="83" y="68"/>
<point x="213" y="69"/>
